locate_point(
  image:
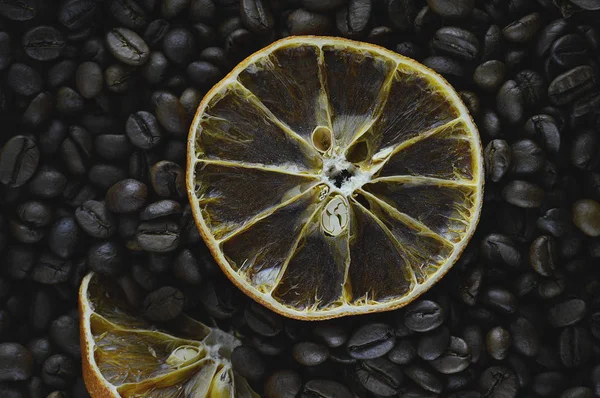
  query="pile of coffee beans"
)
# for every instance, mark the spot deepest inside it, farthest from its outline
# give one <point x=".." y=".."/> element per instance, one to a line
<point x="96" y="98"/>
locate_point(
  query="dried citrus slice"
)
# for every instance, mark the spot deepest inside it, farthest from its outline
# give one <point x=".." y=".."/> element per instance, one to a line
<point x="125" y="356"/>
<point x="331" y="177"/>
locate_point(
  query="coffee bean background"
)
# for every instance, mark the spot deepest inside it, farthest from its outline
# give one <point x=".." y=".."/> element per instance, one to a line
<point x="96" y="98"/>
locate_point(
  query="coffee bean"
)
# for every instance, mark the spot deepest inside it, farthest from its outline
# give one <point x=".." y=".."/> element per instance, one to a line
<point x="547" y="384"/>
<point x="163" y="304"/>
<point x="126" y="196"/>
<point x="574" y="347"/>
<point x="64" y="236"/>
<point x="523" y="194"/>
<point x="179" y="45"/>
<point x="76" y="150"/>
<point x="424" y="378"/>
<point x="569" y="51"/>
<point x="143" y="130"/>
<point x="522" y="30"/>
<point x="586" y="216"/>
<point x="247" y="362"/>
<point x="489" y="75"/>
<point x="433" y="344"/>
<point x="22" y="10"/>
<point x="36" y="213"/>
<point x="456" y="42"/>
<point x="155" y="32"/>
<point x="452" y="9"/>
<point x="64" y="334"/>
<point x="41" y="311"/>
<point x="498" y="342"/>
<point x="129" y="14"/>
<point x="380" y="376"/>
<point x="332" y="334"/>
<point x="403" y="353"/>
<point x="19" y="159"/>
<point x="525" y="338"/>
<point x="168" y="179"/>
<point x="158" y="236"/>
<point x="16" y="362"/>
<point x="455" y="359"/>
<point x="256" y="15"/>
<point x="302" y="22"/>
<point x="445" y="66"/>
<point x="127" y="46"/>
<point x="106" y="258"/>
<point x="310" y="354"/>
<point x="567" y="313"/>
<point x="283" y="384"/>
<point x="51" y="269"/>
<point x="77" y="14"/>
<point x="186" y="268"/>
<point x="572" y="85"/>
<point x="371" y="341"/>
<point x="498" y="382"/>
<point x="119" y="78"/>
<point x="322" y="5"/>
<point x="39" y="110"/>
<point x="41" y="349"/>
<point x="501" y="249"/>
<point x="112" y="147"/>
<point x="500" y="299"/>
<point x="510" y="101"/>
<point x="89" y="79"/>
<point x="577" y="392"/>
<point x="171" y="114"/>
<point x="549" y="34"/>
<point x="497" y="159"/>
<point x="263" y="321"/>
<point x="324" y="389"/>
<point x="43" y="43"/>
<point x="58" y="371"/>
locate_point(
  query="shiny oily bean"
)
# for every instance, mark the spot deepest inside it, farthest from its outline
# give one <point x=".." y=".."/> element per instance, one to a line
<point x="310" y="354"/>
<point x="179" y="45"/>
<point x="567" y="313"/>
<point x="586" y="216"/>
<point x="456" y="42"/>
<point x="38" y="111"/>
<point x="543" y="255"/>
<point x="22" y="10"/>
<point x="35" y="212"/>
<point x="524" y="29"/>
<point x="77" y="14"/>
<point x="283" y="384"/>
<point x="549" y="34"/>
<point x="16" y="362"/>
<point x="106" y="258"/>
<point x="380" y="376"/>
<point x="64" y="334"/>
<point x="498" y="342"/>
<point x="532" y="86"/>
<point x="433" y="344"/>
<point x="143" y="130"/>
<point x="43" y="43"/>
<point x="556" y="222"/>
<point x="523" y="194"/>
<point x="127" y="46"/>
<point x="333" y="334"/>
<point x="425" y="378"/>
<point x="455" y="359"/>
<point x="161" y="208"/>
<point x="572" y="85"/>
<point x="171" y="114"/>
<point x="525" y="338"/>
<point x="468" y="289"/>
<point x="497" y="159"/>
<point x="24" y="80"/>
<point x="423" y="315"/>
<point x="500" y="299"/>
<point x="324" y="389"/>
<point x="371" y="341"/>
<point x="126" y="196"/>
<point x="489" y="75"/>
<point x="19" y="159"/>
<point x="445" y="66"/>
<point x="569" y="51"/>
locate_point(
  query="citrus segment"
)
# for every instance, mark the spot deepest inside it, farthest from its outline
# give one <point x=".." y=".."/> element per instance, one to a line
<point x="125" y="356"/>
<point x="355" y="81"/>
<point x="386" y="164"/>
<point x="443" y="209"/>
<point x="314" y="275"/>
<point x="238" y="128"/>
<point x="373" y="275"/>
<point x="231" y="195"/>
<point x="288" y="83"/>
<point x="251" y="252"/>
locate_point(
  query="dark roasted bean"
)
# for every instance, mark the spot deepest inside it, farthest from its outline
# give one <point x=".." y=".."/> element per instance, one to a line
<point x="105" y="176"/>
<point x="283" y="384"/>
<point x="143" y="130"/>
<point x="380" y="376"/>
<point x="119" y="78"/>
<point x="569" y="51"/>
<point x="203" y="73"/>
<point x="498" y="342"/>
<point x="574" y="347"/>
<point x="47" y="183"/>
<point x="371" y="341"/>
<point x="163" y="304"/>
<point x="303" y="21"/>
<point x="452" y="9"/>
<point x="545" y="129"/>
<point x="23" y="10"/>
<point x="424" y="378"/>
<point x="129" y="14"/>
<point x="501" y="249"/>
<point x="64" y="237"/>
<point x="489" y="75"/>
<point x="256" y="15"/>
<point x="19" y="158"/>
<point x="523" y="194"/>
<point x="126" y="46"/>
<point x="126" y="196"/>
<point x="524" y="29"/>
<point x="171" y="114"/>
<point x="525" y="338"/>
<point x="532" y="86"/>
<point x="158" y="236"/>
<point x="456" y="42"/>
<point x="403" y="353"/>
<point x="497" y="159"/>
<point x="310" y="354"/>
<point x="89" y="79"/>
<point x="59" y="371"/>
<point x="332" y="334"/>
<point x="510" y="101"/>
<point x="112" y="147"/>
<point x="76" y="150"/>
<point x="248" y="363"/>
<point x="584" y="150"/>
<point x="577" y="392"/>
<point x="41" y="349"/>
<point x="168" y="179"/>
<point x="500" y="299"/>
<point x="16" y="362"/>
<point x="423" y="316"/>
<point x="42" y="310"/>
<point x="51" y="270"/>
<point x="39" y="110"/>
<point x="455" y="359"/>
<point x="572" y="85"/>
<point x="106" y="258"/>
<point x="43" y="43"/>
<point x="433" y="344"/>
<point x="549" y="34"/>
<point x="64" y="334"/>
<point x="445" y="66"/>
<point x="586" y="216"/>
<point x="498" y="382"/>
<point x="24" y="80"/>
<point x="567" y="313"/>
<point x="324" y="389"/>
<point x="547" y="384"/>
<point x="77" y="14"/>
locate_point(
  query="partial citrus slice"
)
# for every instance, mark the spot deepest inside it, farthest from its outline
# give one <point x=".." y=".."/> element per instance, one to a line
<point x="125" y="356"/>
<point x="331" y="177"/>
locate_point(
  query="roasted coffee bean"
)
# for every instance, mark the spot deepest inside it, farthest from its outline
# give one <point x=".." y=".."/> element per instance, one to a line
<point x="19" y="159"/>
<point x="25" y="233"/>
<point x="501" y="249"/>
<point x="551" y="287"/>
<point x="283" y="384"/>
<point x="372" y="341"/>
<point x="445" y="66"/>
<point x="126" y="196"/>
<point x="455" y="359"/>
<point x="574" y="347"/>
<point x="77" y="14"/>
<point x="525" y="338"/>
<point x="43" y="43"/>
<point x="51" y="269"/>
<point x="143" y="130"/>
<point x="16" y="362"/>
<point x="586" y="216"/>
<point x="47" y="183"/>
<point x="39" y="110"/>
<point x="543" y="255"/>
<point x="64" y="236"/>
<point x="162" y="208"/>
<point x="89" y="79"/>
<point x="129" y="14"/>
<point x="500" y="299"/>
<point x="158" y="236"/>
<point x="498" y="382"/>
<point x="567" y="313"/>
<point x="64" y="334"/>
<point x="545" y="129"/>
<point x="179" y="45"/>
<point x="556" y="222"/>
<point x="119" y="78"/>
<point x="112" y="147"/>
<point x="36" y="213"/>
<point x="423" y="377"/>
<point x="468" y="290"/>
<point x="23" y="10"/>
<point x="256" y="15"/>
<point x="155" y="70"/>
<point x="456" y="42"/>
<point x="498" y="342"/>
<point x="379" y="376"/>
<point x="433" y="344"/>
<point x="163" y="304"/>
<point x="549" y="34"/>
<point x="19" y="261"/>
<point x="310" y="354"/>
<point x="324" y="389"/>
<point x="353" y="20"/>
<point x="489" y="75"/>
<point x="569" y="51"/>
<point x="547" y="384"/>
<point x="59" y="371"/>
<point x="171" y="114"/>
<point x="24" y="80"/>
<point x="532" y="86"/>
<point x="301" y="22"/>
<point x="322" y="5"/>
<point x="572" y="85"/>
<point x="577" y="392"/>
<point x="523" y="194"/>
<point x="423" y="316"/>
<point x="106" y="258"/>
<point x="68" y="101"/>
<point x="76" y="150"/>
<point x="510" y="102"/>
<point x="497" y="159"/>
<point x="41" y="349"/>
<point x="452" y="9"/>
<point x="127" y="46"/>
<point x="331" y="333"/>
<point x="168" y="179"/>
<point x="403" y="353"/>
<point x="263" y="321"/>
<point x="155" y="32"/>
<point x="524" y="29"/>
<point x="186" y="268"/>
<point x="247" y="362"/>
<point x="584" y="152"/>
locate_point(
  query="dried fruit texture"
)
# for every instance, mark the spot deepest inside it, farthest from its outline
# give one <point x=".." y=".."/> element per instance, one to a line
<point x="331" y="177"/>
<point x="125" y="356"/>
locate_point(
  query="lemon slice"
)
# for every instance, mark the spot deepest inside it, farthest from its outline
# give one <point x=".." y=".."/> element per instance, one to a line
<point x="125" y="356"/>
<point x="331" y="177"/>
